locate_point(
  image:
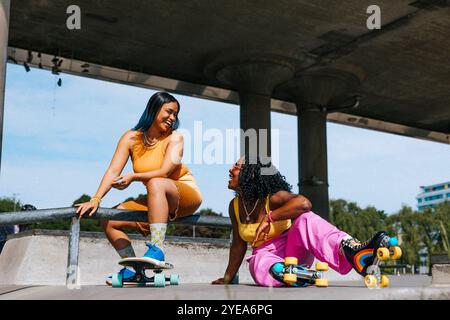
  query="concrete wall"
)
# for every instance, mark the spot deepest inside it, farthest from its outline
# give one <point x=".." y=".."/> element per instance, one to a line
<point x="441" y="275"/>
<point x="40" y="258"/>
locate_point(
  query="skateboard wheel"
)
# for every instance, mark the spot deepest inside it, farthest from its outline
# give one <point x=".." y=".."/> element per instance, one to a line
<point x="393" y="242"/>
<point x="322" y="283"/>
<point x="370" y="281"/>
<point x="278" y="267"/>
<point x="290" y="261"/>
<point x="159" y="280"/>
<point x="395" y="252"/>
<point x="383" y="253"/>
<point x="322" y="266"/>
<point x="174" y="279"/>
<point x="290" y="278"/>
<point x="384" y="281"/>
<point x="117" y="281"/>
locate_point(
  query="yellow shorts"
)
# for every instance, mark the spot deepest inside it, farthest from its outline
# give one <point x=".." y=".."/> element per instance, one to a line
<point x="189" y="201"/>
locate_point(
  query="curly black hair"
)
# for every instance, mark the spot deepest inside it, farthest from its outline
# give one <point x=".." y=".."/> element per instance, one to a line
<point x="253" y="184"/>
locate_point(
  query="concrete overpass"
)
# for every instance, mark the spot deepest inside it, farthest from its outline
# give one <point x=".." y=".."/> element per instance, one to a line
<point x="317" y="60"/>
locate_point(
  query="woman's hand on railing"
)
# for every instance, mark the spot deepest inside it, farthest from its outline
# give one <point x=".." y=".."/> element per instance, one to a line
<point x="90" y="206"/>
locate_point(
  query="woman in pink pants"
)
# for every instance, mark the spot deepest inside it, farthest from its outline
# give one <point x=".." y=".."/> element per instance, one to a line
<point x="279" y="224"/>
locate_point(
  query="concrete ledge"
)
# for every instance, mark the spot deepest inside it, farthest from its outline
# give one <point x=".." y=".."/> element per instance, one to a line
<point x="440" y="275"/>
<point x="39" y="257"/>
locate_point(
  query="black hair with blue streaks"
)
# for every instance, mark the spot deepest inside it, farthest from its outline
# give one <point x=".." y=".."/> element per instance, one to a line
<point x="154" y="104"/>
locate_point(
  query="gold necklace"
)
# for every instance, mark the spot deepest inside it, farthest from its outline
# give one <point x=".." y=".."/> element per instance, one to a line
<point x="247" y="218"/>
<point x="147" y="141"/>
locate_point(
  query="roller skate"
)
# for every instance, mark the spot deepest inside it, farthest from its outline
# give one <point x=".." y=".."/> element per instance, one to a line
<point x="365" y="257"/>
<point x="292" y="274"/>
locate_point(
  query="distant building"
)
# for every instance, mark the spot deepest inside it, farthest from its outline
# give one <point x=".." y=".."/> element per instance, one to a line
<point x="432" y="195"/>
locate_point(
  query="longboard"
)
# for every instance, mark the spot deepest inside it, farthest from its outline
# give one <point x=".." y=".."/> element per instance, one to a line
<point x="140" y="279"/>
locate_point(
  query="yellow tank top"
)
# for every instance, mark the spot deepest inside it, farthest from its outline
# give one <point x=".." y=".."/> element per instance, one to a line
<point x="146" y="159"/>
<point x="247" y="231"/>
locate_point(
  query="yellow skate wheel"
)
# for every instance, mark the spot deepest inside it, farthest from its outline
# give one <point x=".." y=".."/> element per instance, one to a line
<point x="370" y="281"/>
<point x="322" y="283"/>
<point x="384" y="281"/>
<point x="383" y="253"/>
<point x="290" y="278"/>
<point x="396" y="252"/>
<point x="290" y="261"/>
<point x="322" y="266"/>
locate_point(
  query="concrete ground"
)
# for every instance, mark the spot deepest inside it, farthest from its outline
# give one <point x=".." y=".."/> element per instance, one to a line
<point x="404" y="287"/>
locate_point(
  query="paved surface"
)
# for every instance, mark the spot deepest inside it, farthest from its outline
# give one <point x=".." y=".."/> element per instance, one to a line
<point x="402" y="287"/>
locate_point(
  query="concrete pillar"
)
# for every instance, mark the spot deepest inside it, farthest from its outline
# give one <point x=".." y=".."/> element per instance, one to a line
<point x="254" y="114"/>
<point x="4" y="27"/>
<point x="253" y="75"/>
<point x="316" y="92"/>
<point x="312" y="155"/>
<point x="255" y="81"/>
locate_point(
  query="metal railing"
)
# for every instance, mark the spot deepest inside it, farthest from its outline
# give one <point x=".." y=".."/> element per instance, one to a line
<point x="27" y="217"/>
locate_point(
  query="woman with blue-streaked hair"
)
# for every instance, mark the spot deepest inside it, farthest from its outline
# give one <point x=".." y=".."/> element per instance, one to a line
<point x="156" y="150"/>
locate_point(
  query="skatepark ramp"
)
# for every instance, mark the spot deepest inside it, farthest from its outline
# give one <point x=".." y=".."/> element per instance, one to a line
<point x="73" y="245"/>
<point x="74" y="258"/>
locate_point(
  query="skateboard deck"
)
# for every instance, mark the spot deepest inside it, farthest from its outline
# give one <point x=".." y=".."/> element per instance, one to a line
<point x="140" y="265"/>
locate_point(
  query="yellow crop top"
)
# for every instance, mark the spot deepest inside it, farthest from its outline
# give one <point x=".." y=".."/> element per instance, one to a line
<point x="146" y="159"/>
<point x="247" y="231"/>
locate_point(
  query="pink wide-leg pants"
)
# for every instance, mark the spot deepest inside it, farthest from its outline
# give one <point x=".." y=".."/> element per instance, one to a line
<point x="309" y="236"/>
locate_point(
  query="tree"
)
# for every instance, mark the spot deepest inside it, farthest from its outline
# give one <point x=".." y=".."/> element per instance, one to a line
<point x="407" y="227"/>
<point x="9" y="204"/>
<point x="441" y="214"/>
<point x="64" y="224"/>
<point x="357" y="222"/>
<point x="83" y="198"/>
<point x="421" y="230"/>
<point x="200" y="231"/>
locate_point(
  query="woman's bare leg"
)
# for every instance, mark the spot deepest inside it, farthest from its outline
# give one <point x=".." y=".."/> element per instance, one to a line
<point x="162" y="198"/>
<point x="115" y="233"/>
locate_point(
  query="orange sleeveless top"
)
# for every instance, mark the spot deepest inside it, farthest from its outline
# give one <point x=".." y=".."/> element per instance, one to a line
<point x="146" y="159"/>
<point x="247" y="231"/>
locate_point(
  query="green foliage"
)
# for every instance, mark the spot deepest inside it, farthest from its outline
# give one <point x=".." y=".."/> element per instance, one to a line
<point x="85" y="225"/>
<point x="200" y="231"/>
<point x="417" y="230"/>
<point x="9" y="204"/>
<point x="139" y="197"/>
<point x="81" y="199"/>
<point x="52" y="225"/>
<point x="358" y="222"/>
<point x="445" y="241"/>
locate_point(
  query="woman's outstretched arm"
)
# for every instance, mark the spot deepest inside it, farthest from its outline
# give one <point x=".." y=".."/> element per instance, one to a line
<point x="237" y="251"/>
<point x="116" y="166"/>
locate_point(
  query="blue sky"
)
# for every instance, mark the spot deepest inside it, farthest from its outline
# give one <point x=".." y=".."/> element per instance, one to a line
<point x="58" y="142"/>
